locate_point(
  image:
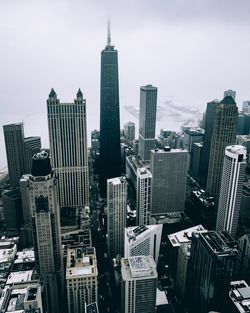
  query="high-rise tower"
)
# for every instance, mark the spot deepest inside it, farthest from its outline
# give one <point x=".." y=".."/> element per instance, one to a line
<point x="68" y="148"/>
<point x="231" y="189"/>
<point x="148" y="103"/>
<point x="224" y="134"/>
<point x="14" y="136"/>
<point x="110" y="151"/>
<point x="42" y="201"/>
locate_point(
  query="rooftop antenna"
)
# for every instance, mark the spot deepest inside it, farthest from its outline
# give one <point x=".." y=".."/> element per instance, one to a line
<point x="109" y="35"/>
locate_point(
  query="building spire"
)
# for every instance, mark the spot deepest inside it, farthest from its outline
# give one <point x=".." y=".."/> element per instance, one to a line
<point x="109" y="35"/>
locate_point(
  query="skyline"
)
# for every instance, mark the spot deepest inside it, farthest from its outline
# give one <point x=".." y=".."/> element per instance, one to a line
<point x="60" y="46"/>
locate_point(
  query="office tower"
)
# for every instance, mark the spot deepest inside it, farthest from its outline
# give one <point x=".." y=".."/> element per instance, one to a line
<point x="192" y="135"/>
<point x="230" y="93"/>
<point x="116" y="215"/>
<point x="43" y="207"/>
<point x="224" y="134"/>
<point x="243" y="260"/>
<point x="239" y="297"/>
<point x="169" y="171"/>
<point x="142" y="240"/>
<point x="209" y="125"/>
<point x="143" y="196"/>
<point x="110" y="151"/>
<point x="139" y="283"/>
<point x="14" y="136"/>
<point x="12" y="207"/>
<point x="95" y="142"/>
<point x="246" y="106"/>
<point x="129" y="131"/>
<point x="22" y="297"/>
<point x="210" y="271"/>
<point x="147" y="121"/>
<point x="231" y="189"/>
<point x="81" y="278"/>
<point x="195" y="161"/>
<point x="32" y="145"/>
<point x="68" y="148"/>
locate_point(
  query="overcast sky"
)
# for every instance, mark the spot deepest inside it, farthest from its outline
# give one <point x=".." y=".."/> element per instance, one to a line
<point x="192" y="50"/>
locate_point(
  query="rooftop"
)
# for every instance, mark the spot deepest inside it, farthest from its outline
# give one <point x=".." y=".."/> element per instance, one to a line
<point x="135" y="232"/>
<point x="138" y="267"/>
<point x="184" y="236"/>
<point x="19" y="277"/>
<point x="117" y="180"/>
<point x="240" y="295"/>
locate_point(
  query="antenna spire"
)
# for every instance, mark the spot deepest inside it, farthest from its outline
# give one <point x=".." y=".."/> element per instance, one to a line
<point x="109" y="35"/>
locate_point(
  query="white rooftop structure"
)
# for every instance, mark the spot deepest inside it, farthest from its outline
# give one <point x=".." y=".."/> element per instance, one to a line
<point x="184" y="236"/>
<point x="27" y="255"/>
<point x="137" y="267"/>
<point x="240" y="295"/>
<point x="19" y="277"/>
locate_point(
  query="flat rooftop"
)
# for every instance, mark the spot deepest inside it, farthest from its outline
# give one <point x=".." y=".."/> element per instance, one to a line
<point x="184" y="236"/>
<point x="138" y="267"/>
<point x="19" y="277"/>
<point x="135" y="232"/>
<point x="240" y="295"/>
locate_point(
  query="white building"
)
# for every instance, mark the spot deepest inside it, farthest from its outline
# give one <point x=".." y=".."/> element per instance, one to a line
<point x="143" y="240"/>
<point x="139" y="284"/>
<point x="116" y="214"/>
<point x="231" y="189"/>
<point x="68" y="148"/>
<point x="43" y="207"/>
<point x="246" y="106"/>
<point x="143" y="196"/>
<point x="81" y="278"/>
<point x="129" y="131"/>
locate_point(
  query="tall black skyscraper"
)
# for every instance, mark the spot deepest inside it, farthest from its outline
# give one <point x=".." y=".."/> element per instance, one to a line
<point x="110" y="151"/>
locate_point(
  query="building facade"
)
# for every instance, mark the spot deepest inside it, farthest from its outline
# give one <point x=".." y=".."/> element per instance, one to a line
<point x="129" y="131"/>
<point x="110" y="151"/>
<point x="68" y="149"/>
<point x="139" y="284"/>
<point x="116" y="215"/>
<point x="231" y="189"/>
<point x="169" y="171"/>
<point x="43" y="207"/>
<point x="143" y="196"/>
<point x="81" y="278"/>
<point x="147" y="121"/>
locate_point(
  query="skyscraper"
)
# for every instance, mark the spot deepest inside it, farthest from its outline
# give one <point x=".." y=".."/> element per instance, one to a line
<point x="129" y="131"/>
<point x="210" y="272"/>
<point x="110" y="150"/>
<point x="147" y="121"/>
<point x="116" y="214"/>
<point x="139" y="283"/>
<point x="224" y="134"/>
<point x="68" y="148"/>
<point x="32" y="145"/>
<point x="45" y="214"/>
<point x="143" y="196"/>
<point x="209" y="125"/>
<point x="169" y="171"/>
<point x="142" y="240"/>
<point x="231" y="189"/>
<point x="230" y="93"/>
<point x="14" y="136"/>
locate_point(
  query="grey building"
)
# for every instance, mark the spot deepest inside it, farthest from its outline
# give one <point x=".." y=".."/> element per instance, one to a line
<point x="147" y="121"/>
<point x="230" y="93"/>
<point x="14" y="136"/>
<point x="12" y="207"/>
<point x="231" y="189"/>
<point x="116" y="215"/>
<point x="210" y="270"/>
<point x="192" y="135"/>
<point x="139" y="283"/>
<point x="43" y="207"/>
<point x="68" y="149"/>
<point x="243" y="260"/>
<point x="223" y="134"/>
<point x="246" y="106"/>
<point x="32" y="145"/>
<point x="129" y="131"/>
<point x="169" y="171"/>
<point x="195" y="160"/>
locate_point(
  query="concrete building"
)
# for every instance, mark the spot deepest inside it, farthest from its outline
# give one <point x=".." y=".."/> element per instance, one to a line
<point x="192" y="135"/>
<point x="195" y="160"/>
<point x="169" y="171"/>
<point x="32" y="145"/>
<point x="243" y="261"/>
<point x="143" y="196"/>
<point x="139" y="284"/>
<point x="230" y="93"/>
<point x="110" y="151"/>
<point x="147" y="121"/>
<point x="231" y="189"/>
<point x="81" y="278"/>
<point x="43" y="208"/>
<point x="142" y="240"/>
<point x="23" y="297"/>
<point x="239" y="297"/>
<point x="68" y="149"/>
<point x="224" y="134"/>
<point x="12" y="207"/>
<point x="14" y="136"/>
<point x="129" y="131"/>
<point x="116" y="215"/>
<point x="210" y="271"/>
<point x="246" y="106"/>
